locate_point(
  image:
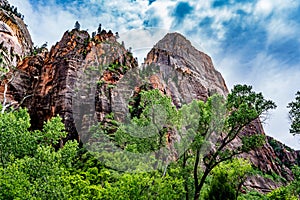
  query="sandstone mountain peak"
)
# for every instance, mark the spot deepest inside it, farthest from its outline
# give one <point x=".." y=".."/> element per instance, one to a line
<point x="174" y="66"/>
<point x="174" y="39"/>
<point x="176" y="55"/>
<point x="176" y="43"/>
<point x="15" y="40"/>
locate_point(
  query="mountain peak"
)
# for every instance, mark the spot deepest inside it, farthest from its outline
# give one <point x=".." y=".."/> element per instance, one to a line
<point x="177" y="45"/>
<point x="174" y="38"/>
<point x="175" y="52"/>
<point x="174" y="42"/>
<point x="15" y="37"/>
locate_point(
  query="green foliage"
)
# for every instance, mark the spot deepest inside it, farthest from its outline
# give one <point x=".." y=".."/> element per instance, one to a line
<point x="114" y="67"/>
<point x="15" y="139"/>
<point x="144" y="186"/>
<point x="294" y="114"/>
<point x="129" y="161"/>
<point x="227" y="179"/>
<point x="252" y="195"/>
<point x="36" y="50"/>
<point x="253" y="141"/>
<point x="269" y="175"/>
<point x="245" y="105"/>
<point x="52" y="132"/>
<point x="282" y="193"/>
<point x="197" y="123"/>
<point x="140" y="144"/>
<point x="147" y="131"/>
<point x="295" y="185"/>
<point x="288" y="192"/>
<point x="242" y="107"/>
<point x="30" y="166"/>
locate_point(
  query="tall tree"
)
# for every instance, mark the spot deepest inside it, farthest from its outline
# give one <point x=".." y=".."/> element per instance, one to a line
<point x="93" y="34"/>
<point x="99" y="29"/>
<point x="226" y="119"/>
<point x="227" y="179"/>
<point x="205" y="131"/>
<point x="77" y="25"/>
<point x="294" y="114"/>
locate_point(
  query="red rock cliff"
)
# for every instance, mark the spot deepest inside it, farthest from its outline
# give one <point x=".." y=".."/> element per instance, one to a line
<point x="83" y="79"/>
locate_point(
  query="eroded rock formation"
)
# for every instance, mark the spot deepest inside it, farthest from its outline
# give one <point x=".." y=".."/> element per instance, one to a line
<point x="15" y="40"/>
<point x="84" y="79"/>
<point x="184" y="73"/>
<point x="50" y="80"/>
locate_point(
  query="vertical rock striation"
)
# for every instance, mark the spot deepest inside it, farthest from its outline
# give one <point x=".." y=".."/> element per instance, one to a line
<point x="184" y="73"/>
<point x="83" y="79"/>
<point x="15" y="40"/>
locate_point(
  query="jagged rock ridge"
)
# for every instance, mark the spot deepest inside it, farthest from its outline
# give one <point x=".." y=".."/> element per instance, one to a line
<point x="198" y="79"/>
<point x="49" y="81"/>
<point x="15" y="40"/>
<point x="52" y="78"/>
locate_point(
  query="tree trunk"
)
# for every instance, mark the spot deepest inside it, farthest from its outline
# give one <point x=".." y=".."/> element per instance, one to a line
<point x="185" y="177"/>
<point x="199" y="187"/>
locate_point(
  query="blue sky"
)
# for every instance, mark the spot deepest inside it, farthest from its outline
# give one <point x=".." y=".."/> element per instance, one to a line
<point x="251" y="41"/>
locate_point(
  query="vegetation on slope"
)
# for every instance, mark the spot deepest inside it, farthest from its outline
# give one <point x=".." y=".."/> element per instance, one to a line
<point x="31" y="168"/>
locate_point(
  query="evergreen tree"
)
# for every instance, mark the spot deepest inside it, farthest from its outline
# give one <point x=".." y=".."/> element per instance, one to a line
<point x="294" y="114"/>
<point x="77" y="25"/>
<point x="93" y="34"/>
<point x="99" y="29"/>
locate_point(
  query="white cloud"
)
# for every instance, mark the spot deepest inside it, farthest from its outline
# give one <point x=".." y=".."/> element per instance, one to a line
<point x="46" y="24"/>
<point x="277" y="84"/>
<point x="264" y="7"/>
<point x="141" y="40"/>
<point x="279" y="28"/>
<point x="279" y="25"/>
<point x="162" y="9"/>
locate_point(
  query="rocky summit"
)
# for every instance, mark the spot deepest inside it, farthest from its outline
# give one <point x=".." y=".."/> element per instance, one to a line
<point x="83" y="79"/>
<point x="15" y="40"/>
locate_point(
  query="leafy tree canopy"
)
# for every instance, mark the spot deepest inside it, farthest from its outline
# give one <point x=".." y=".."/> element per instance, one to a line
<point x="294" y="114"/>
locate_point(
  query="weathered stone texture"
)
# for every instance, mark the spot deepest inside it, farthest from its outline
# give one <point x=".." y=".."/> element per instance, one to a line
<point x="83" y="79"/>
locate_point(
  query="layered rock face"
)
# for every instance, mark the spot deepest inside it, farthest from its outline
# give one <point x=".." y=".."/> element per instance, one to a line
<point x="84" y="79"/>
<point x="15" y="40"/>
<point x="184" y="74"/>
<point x="51" y="84"/>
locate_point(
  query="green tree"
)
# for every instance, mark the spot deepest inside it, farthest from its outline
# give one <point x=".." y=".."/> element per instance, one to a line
<point x="17" y="141"/>
<point x="146" y="185"/>
<point x="77" y="25"/>
<point x="30" y="167"/>
<point x="295" y="185"/>
<point x="281" y="193"/>
<point x="242" y="107"/>
<point x="294" y="114"/>
<point x="227" y="179"/>
<point x="99" y="29"/>
<point x="206" y="130"/>
<point x="142" y="143"/>
<point x="151" y="121"/>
